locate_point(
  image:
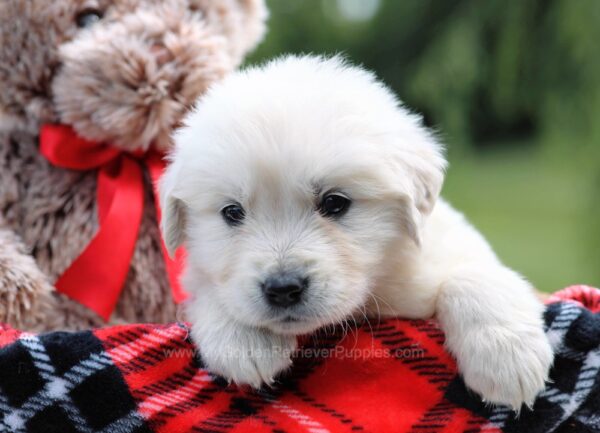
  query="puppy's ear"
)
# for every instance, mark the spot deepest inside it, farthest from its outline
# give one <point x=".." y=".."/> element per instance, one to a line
<point x="173" y="210"/>
<point x="428" y="166"/>
<point x="410" y="218"/>
<point x="419" y="167"/>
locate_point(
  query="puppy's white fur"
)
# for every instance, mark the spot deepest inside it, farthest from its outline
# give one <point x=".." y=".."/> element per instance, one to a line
<point x="275" y="139"/>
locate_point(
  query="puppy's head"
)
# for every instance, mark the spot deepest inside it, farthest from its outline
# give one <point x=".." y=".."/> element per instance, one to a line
<point x="292" y="185"/>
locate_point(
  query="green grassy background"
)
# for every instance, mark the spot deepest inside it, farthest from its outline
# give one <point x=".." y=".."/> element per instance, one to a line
<point x="513" y="87"/>
<point x="536" y="214"/>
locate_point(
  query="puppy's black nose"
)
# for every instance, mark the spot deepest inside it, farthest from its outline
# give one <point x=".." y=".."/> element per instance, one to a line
<point x="284" y="290"/>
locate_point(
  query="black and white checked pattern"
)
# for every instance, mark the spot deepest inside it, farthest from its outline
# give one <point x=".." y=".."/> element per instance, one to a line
<point x="571" y="401"/>
<point x="75" y="383"/>
<point x="81" y="392"/>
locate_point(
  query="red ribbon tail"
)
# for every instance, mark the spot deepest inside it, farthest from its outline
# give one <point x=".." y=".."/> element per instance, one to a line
<point x="96" y="278"/>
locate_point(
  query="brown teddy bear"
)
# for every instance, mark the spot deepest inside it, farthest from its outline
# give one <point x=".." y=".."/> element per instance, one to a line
<point x="116" y="75"/>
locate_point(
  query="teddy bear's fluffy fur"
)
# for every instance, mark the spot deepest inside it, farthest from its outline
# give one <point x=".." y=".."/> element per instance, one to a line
<point x="127" y="79"/>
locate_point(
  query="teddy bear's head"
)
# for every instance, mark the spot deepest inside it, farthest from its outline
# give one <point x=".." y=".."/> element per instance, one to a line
<point x="118" y="71"/>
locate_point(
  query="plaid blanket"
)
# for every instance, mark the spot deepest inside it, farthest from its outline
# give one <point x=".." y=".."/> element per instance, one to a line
<point x="390" y="376"/>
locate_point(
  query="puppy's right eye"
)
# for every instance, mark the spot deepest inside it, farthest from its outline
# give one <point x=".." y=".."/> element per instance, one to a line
<point x="334" y="205"/>
<point x="88" y="17"/>
<point x="233" y="214"/>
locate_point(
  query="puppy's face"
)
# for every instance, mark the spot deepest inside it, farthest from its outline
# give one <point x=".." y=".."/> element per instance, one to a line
<point x="290" y="192"/>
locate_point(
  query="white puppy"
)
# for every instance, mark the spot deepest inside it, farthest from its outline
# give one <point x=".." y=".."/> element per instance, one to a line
<point x="306" y="193"/>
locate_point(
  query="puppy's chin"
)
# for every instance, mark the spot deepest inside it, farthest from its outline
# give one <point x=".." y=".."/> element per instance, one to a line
<point x="294" y="326"/>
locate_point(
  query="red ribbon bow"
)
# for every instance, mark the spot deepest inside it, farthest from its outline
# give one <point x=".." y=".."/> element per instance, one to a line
<point x="96" y="278"/>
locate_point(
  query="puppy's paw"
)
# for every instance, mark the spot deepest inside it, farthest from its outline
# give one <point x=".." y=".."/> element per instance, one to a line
<point x="247" y="356"/>
<point x="505" y="366"/>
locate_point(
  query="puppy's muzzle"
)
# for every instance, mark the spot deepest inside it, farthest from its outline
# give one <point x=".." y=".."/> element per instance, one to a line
<point x="284" y="289"/>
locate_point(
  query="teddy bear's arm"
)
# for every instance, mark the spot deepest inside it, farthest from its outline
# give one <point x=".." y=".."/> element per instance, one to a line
<point x="24" y="289"/>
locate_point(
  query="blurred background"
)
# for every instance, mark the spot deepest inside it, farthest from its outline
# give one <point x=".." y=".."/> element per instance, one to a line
<point x="513" y="88"/>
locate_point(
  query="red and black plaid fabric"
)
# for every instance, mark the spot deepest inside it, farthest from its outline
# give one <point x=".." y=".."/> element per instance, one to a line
<point x="392" y="376"/>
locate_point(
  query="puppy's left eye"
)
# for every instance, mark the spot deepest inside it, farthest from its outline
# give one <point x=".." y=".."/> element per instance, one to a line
<point x="334" y="205"/>
<point x="233" y="214"/>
